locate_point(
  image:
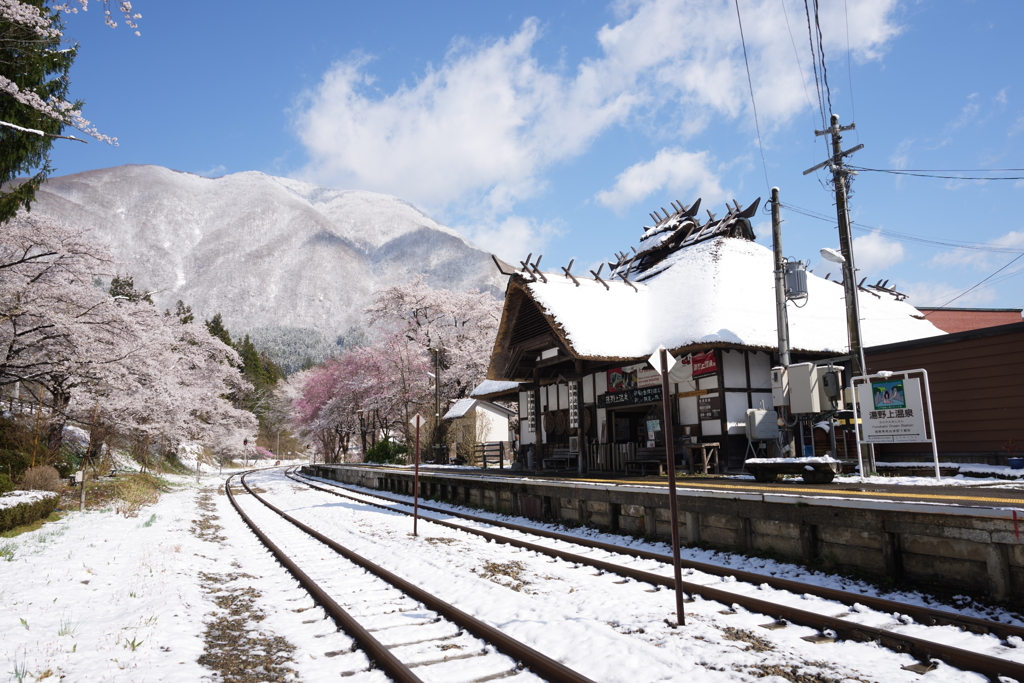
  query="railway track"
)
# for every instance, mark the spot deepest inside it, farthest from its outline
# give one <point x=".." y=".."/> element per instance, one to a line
<point x="408" y="633"/>
<point x="829" y="627"/>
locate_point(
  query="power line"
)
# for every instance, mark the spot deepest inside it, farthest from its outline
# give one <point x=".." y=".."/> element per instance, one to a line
<point x="905" y="237"/>
<point x="895" y="171"/>
<point x="849" y="68"/>
<point x="814" y="65"/>
<point x="971" y="289"/>
<point x="750" y="84"/>
<point x="796" y="53"/>
<point x="821" y="55"/>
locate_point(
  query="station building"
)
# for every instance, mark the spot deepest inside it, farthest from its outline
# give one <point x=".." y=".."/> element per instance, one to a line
<point x="572" y="350"/>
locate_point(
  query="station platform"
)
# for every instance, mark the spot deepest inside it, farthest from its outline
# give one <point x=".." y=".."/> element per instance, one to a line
<point x="966" y="537"/>
<point x="984" y="494"/>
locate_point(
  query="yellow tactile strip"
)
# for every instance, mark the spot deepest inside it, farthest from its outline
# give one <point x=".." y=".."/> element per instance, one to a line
<point x="808" y="490"/>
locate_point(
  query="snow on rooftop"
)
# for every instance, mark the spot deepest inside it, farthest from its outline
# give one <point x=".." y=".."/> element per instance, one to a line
<point x="493" y="386"/>
<point x="720" y="290"/>
<point x="459" y="408"/>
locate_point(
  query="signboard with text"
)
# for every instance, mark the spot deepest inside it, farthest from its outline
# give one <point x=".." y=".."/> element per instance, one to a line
<point x="892" y="411"/>
<point x="629" y="397"/>
<point x="709" y="407"/>
<point x="704" y="364"/>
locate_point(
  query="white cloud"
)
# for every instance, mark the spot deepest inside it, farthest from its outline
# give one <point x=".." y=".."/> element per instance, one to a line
<point x="512" y="238"/>
<point x="873" y="253"/>
<point x="982" y="260"/>
<point x="674" y="170"/>
<point x="481" y="129"/>
<point x="939" y="293"/>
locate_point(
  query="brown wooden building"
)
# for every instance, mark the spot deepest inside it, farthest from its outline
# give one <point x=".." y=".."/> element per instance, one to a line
<point x="977" y="389"/>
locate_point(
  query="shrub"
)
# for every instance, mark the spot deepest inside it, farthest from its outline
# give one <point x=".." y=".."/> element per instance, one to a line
<point x="43" y="478"/>
<point x="24" y="507"/>
<point x="386" y="452"/>
<point x="6" y="485"/>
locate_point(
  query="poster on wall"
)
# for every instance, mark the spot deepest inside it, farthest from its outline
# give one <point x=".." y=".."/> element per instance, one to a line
<point x="631" y="377"/>
<point x="892" y="411"/>
<point x="704" y="364"/>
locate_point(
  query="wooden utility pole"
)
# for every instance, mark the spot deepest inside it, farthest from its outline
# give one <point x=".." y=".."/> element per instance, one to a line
<point x="840" y="180"/>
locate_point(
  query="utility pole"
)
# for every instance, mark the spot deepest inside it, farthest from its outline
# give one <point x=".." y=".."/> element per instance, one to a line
<point x="841" y="180"/>
<point x="781" y="314"/>
<point x="438" y="446"/>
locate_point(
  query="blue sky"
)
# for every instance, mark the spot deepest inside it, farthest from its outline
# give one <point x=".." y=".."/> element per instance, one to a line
<point x="555" y="128"/>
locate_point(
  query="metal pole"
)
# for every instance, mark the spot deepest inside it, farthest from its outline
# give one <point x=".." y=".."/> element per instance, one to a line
<point x="416" y="481"/>
<point x="437" y="403"/>
<point x="931" y="424"/>
<point x="670" y="457"/>
<point x="81" y="502"/>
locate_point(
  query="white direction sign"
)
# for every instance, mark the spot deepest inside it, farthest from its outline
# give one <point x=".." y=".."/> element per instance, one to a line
<point x="417" y="420"/>
<point x="655" y="359"/>
<point x="891" y="411"/>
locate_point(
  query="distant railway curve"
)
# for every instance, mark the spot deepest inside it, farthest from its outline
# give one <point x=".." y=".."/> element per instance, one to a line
<point x="382" y="633"/>
<point x="921" y="648"/>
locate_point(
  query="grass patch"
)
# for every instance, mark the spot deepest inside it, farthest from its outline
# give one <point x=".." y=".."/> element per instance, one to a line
<point x="32" y="526"/>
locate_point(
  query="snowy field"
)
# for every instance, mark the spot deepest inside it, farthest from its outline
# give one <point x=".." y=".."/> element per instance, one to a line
<point x="184" y="592"/>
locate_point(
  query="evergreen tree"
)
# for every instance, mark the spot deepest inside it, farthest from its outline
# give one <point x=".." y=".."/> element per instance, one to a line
<point x="35" y="64"/>
<point x="123" y="287"/>
<point x="216" y="327"/>
<point x="183" y="313"/>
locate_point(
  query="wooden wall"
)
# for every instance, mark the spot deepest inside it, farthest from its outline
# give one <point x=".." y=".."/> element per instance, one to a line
<point x="977" y="386"/>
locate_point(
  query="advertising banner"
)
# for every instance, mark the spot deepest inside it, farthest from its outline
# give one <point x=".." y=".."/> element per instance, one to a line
<point x="704" y="364"/>
<point x="632" y="377"/>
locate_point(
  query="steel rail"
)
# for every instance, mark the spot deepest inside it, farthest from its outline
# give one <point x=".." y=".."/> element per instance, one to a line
<point x="923" y="615"/>
<point x="922" y="649"/>
<point x="380" y="655"/>
<point x="542" y="665"/>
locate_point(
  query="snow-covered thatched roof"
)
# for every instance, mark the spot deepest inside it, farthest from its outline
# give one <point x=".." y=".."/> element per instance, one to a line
<point x="717" y="291"/>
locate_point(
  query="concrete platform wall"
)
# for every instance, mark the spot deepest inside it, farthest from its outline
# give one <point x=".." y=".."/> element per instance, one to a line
<point x="965" y="548"/>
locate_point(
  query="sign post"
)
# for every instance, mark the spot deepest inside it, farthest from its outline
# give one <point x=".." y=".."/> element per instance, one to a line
<point x="664" y="361"/>
<point x="416" y="420"/>
<point x="891" y="410"/>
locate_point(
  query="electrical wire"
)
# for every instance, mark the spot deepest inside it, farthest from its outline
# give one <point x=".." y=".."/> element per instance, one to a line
<point x="750" y="84"/>
<point x="821" y="55"/>
<point x="814" y="65"/>
<point x="971" y="289"/>
<point x="796" y="53"/>
<point x="905" y="237"/>
<point x="849" y="68"/>
<point x="895" y="171"/>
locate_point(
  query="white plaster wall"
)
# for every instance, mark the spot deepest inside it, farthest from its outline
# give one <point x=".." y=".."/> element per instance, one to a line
<point x="733" y="369"/>
<point x="761" y="371"/>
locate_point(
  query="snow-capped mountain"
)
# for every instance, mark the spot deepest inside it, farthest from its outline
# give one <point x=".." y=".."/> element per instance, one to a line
<point x="265" y="252"/>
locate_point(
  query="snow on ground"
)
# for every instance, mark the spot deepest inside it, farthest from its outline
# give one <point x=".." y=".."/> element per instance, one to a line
<point x="723" y="559"/>
<point x="100" y="597"/>
<point x="12" y="498"/>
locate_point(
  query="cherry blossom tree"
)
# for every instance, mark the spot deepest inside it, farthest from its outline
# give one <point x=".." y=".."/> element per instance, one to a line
<point x="108" y="359"/>
<point x="34" y="105"/>
<point x="460" y="326"/>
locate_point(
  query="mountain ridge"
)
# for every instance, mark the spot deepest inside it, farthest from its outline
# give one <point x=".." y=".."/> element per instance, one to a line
<point x="264" y="252"/>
